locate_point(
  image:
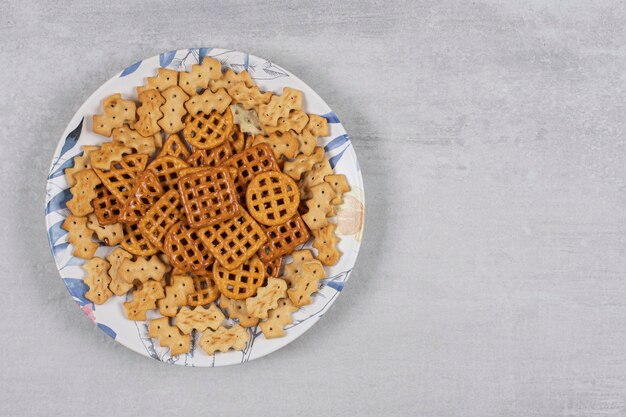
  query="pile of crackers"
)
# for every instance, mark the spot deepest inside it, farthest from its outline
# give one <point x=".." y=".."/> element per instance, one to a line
<point x="207" y="187"/>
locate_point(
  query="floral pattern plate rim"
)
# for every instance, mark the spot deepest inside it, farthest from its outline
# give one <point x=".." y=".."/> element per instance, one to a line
<point x="109" y="317"/>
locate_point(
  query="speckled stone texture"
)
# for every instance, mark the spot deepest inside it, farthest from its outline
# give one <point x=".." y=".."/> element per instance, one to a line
<point x="491" y="278"/>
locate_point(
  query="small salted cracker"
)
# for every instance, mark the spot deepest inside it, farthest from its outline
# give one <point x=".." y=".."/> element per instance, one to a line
<point x="247" y="120"/>
<point x="83" y="192"/>
<point x="296" y="120"/>
<point x="81" y="163"/>
<point x="199" y="319"/>
<point x="144" y="299"/>
<point x="174" y="146"/>
<point x="149" y="113"/>
<point x="200" y="75"/>
<point x="318" y="125"/>
<point x="175" y="295"/>
<point x="118" y="285"/>
<point x="325" y="241"/>
<point x="116" y="112"/>
<point x="173" y="110"/>
<point x="142" y="269"/>
<point x="319" y="205"/>
<point x="164" y="79"/>
<point x="109" y="152"/>
<point x="306" y="283"/>
<point x="278" y="318"/>
<point x="169" y="336"/>
<point x="132" y="139"/>
<point x="80" y="236"/>
<point x="315" y="176"/>
<point x="110" y="234"/>
<point x="223" y="339"/>
<point x="280" y="106"/>
<point x="237" y="310"/>
<point x="283" y="144"/>
<point x="229" y="78"/>
<point x="340" y="186"/>
<point x="266" y="298"/>
<point x="300" y="257"/>
<point x="308" y="142"/>
<point x="97" y="280"/>
<point x="303" y="163"/>
<point x="208" y="101"/>
<point x="248" y="97"/>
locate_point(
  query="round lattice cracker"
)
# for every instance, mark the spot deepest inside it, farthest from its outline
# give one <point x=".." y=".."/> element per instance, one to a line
<point x="206" y="131"/>
<point x="272" y="198"/>
<point x="241" y="282"/>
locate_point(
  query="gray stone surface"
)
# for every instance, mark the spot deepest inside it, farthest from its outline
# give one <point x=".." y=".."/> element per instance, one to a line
<point x="491" y="279"/>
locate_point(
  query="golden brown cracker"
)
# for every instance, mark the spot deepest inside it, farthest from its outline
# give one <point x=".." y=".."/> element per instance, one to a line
<point x="205" y="290"/>
<point x="303" y="163"/>
<point x="280" y="106"/>
<point x="223" y="339"/>
<point x="169" y="336"/>
<point x="200" y="76"/>
<point x="278" y="318"/>
<point x="144" y="299"/>
<point x="142" y="269"/>
<point x="135" y="242"/>
<point x="272" y="198"/>
<point x="199" y="318"/>
<point x="340" y="186"/>
<point x="109" y="152"/>
<point x="306" y="283"/>
<point x="307" y="142"/>
<point x="208" y="101"/>
<point x="149" y="113"/>
<point x="119" y="180"/>
<point x="314" y="176"/>
<point x="145" y="192"/>
<point x="81" y="163"/>
<point x="80" y="236"/>
<point x="163" y="214"/>
<point x="319" y="205"/>
<point x="132" y="139"/>
<point x="237" y="310"/>
<point x="296" y="120"/>
<point x="266" y="298"/>
<point x="164" y="79"/>
<point x="83" y="192"/>
<point x="318" y="125"/>
<point x="118" y="285"/>
<point x="326" y="242"/>
<point x="175" y="295"/>
<point x="248" y="97"/>
<point x="229" y="78"/>
<point x="206" y="131"/>
<point x="174" y="146"/>
<point x="241" y="282"/>
<point x="97" y="280"/>
<point x="283" y="144"/>
<point x="116" y="112"/>
<point x="292" y="269"/>
<point x="173" y="110"/>
<point x="111" y="234"/>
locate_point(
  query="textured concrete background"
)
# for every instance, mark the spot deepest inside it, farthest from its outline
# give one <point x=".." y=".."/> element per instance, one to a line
<point x="491" y="279"/>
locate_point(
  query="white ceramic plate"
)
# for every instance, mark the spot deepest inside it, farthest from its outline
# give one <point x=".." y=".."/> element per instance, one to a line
<point x="110" y="316"/>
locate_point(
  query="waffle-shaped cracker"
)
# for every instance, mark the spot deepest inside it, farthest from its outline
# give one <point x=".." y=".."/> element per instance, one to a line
<point x="273" y="268"/>
<point x="121" y="178"/>
<point x="272" y="198"/>
<point x="136" y="243"/>
<point x="234" y="241"/>
<point x="283" y="239"/>
<point x="205" y="290"/>
<point x="206" y="131"/>
<point x="166" y="169"/>
<point x="208" y="196"/>
<point x="241" y="282"/>
<point x="185" y="249"/>
<point x="249" y="163"/>
<point x="211" y="157"/>
<point x="106" y="206"/>
<point x="160" y="217"/>
<point x="144" y="194"/>
<point x="237" y="138"/>
<point x="174" y="146"/>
